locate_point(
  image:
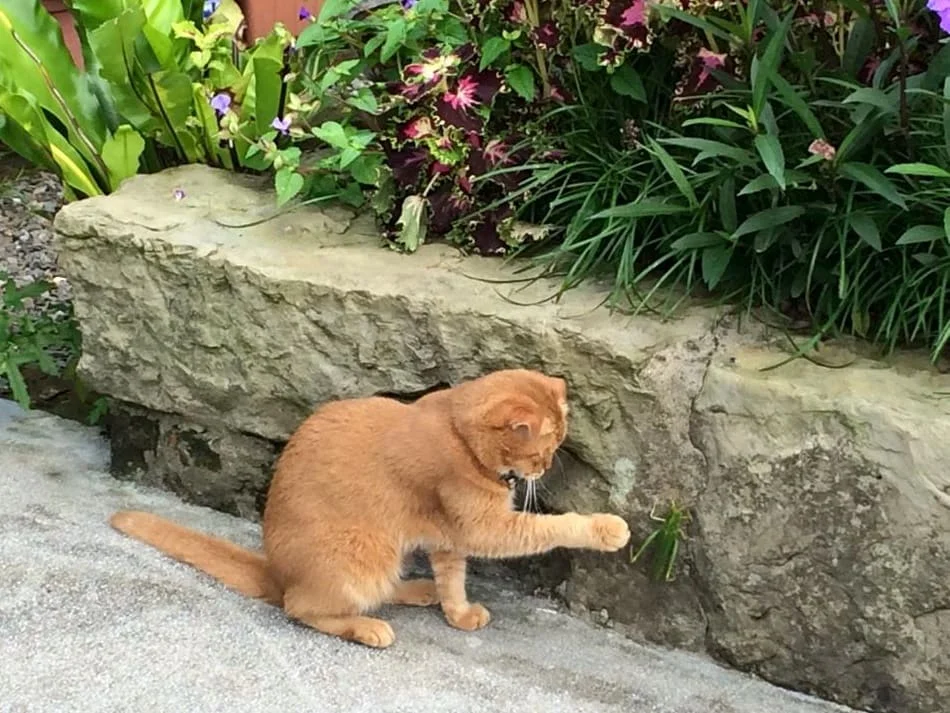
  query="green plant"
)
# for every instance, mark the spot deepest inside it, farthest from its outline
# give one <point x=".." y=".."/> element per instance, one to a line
<point x="26" y="339"/>
<point x="665" y="541"/>
<point x="151" y="97"/>
<point x="802" y="166"/>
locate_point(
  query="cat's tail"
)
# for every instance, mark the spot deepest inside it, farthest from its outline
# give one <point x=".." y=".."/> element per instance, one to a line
<point x="237" y="568"/>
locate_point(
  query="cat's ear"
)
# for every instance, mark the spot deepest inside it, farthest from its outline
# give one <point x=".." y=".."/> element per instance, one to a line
<point x="513" y="415"/>
<point x="560" y="388"/>
<point x="524" y="422"/>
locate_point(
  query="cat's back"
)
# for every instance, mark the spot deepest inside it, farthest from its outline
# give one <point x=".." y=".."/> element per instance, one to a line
<point x="365" y="438"/>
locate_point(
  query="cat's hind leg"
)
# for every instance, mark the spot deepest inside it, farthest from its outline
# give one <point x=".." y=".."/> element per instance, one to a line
<point x="415" y="593"/>
<point x="332" y="594"/>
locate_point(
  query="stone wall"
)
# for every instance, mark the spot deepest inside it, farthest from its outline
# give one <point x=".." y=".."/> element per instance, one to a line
<point x="820" y="544"/>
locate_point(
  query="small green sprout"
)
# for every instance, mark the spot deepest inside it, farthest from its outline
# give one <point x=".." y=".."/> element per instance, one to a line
<point x="667" y="540"/>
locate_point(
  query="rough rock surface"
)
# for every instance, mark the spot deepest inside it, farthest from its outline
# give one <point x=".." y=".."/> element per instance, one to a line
<point x="821" y="531"/>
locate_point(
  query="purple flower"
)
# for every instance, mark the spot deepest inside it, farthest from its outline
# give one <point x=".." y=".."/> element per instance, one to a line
<point x="407" y="4"/>
<point x="209" y="8"/>
<point x="178" y="194"/>
<point x="282" y="125"/>
<point x="221" y="102"/>
<point x="942" y="8"/>
<point x="304" y="13"/>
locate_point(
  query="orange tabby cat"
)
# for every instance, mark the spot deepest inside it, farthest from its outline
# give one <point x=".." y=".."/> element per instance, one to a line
<point x="364" y="482"/>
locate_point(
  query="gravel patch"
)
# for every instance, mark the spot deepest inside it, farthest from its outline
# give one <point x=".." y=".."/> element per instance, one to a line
<point x="28" y="201"/>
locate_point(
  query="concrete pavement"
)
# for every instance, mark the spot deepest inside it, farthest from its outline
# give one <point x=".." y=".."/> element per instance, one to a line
<point x="92" y="621"/>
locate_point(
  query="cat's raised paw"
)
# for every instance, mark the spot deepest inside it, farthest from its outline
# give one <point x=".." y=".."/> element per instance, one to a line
<point x="468" y="618"/>
<point x="609" y="532"/>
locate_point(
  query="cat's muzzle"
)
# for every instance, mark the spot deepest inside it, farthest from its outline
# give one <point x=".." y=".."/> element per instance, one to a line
<point x="510" y="478"/>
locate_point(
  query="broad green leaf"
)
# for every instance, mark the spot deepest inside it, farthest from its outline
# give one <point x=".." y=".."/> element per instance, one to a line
<point x="938" y="68"/>
<point x="586" y="56"/>
<point x="918" y="169"/>
<point x="267" y="91"/>
<point x="794" y="102"/>
<point x="332" y="9"/>
<point x="364" y="100"/>
<point x="715" y="261"/>
<point x="727" y="203"/>
<point x="711" y="149"/>
<point x="873" y="97"/>
<point x="700" y="21"/>
<point x="873" y="179"/>
<point x="22" y="110"/>
<point x="208" y="126"/>
<point x="493" y="48"/>
<point x="121" y="153"/>
<point x="764" y="239"/>
<point x="674" y="170"/>
<point x="767" y="67"/>
<point x="626" y="82"/>
<point x="373" y="44"/>
<point x="163" y="14"/>
<point x="770" y="150"/>
<point x="521" y="79"/>
<point x="922" y="234"/>
<point x="860" y="43"/>
<point x="316" y="34"/>
<point x="646" y="207"/>
<point x="365" y="169"/>
<point x="413" y="223"/>
<point x="395" y="38"/>
<point x="893" y="11"/>
<point x="765" y="182"/>
<point x="946" y="223"/>
<point x="866" y="228"/>
<point x="349" y="155"/>
<point x="288" y="184"/>
<point x="768" y="218"/>
<point x="860" y="136"/>
<point x="712" y="121"/>
<point x="333" y="133"/>
<point x="697" y="240"/>
<point x="21" y="140"/>
<point x="17" y="384"/>
<point x="34" y="60"/>
<point x="92" y="13"/>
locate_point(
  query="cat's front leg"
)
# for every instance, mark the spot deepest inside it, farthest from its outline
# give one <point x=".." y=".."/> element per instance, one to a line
<point x="449" y="571"/>
<point x="517" y="534"/>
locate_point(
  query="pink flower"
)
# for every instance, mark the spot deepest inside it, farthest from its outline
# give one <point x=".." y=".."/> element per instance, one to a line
<point x="710" y="61"/>
<point x="820" y="147"/>
<point x="463" y="98"/>
<point x="515" y="13"/>
<point x="635" y="14"/>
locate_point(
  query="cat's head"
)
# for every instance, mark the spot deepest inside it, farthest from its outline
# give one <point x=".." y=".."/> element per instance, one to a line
<point x="517" y="420"/>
